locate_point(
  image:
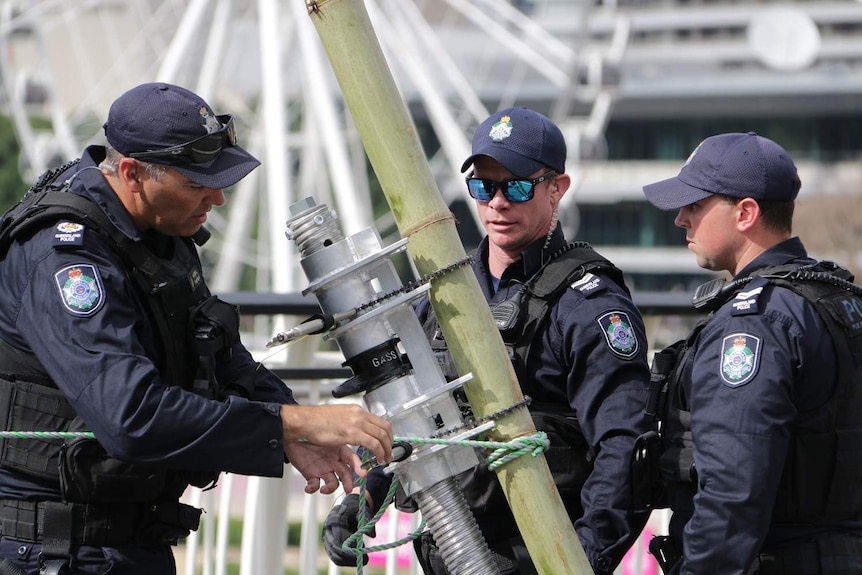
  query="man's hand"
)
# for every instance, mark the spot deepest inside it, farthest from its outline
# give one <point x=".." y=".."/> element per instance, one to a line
<point x="330" y="464"/>
<point x="341" y="523"/>
<point x="336" y="425"/>
<point x="316" y="440"/>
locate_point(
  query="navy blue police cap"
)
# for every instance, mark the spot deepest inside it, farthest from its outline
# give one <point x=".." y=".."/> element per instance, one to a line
<point x="156" y="116"/>
<point x="522" y="140"/>
<point x="736" y="165"/>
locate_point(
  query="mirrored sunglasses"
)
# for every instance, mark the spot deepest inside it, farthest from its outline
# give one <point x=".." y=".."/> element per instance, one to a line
<point x="516" y="191"/>
<point x="197" y="151"/>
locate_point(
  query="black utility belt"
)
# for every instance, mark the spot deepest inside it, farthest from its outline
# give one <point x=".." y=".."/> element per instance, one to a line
<point x="99" y="525"/>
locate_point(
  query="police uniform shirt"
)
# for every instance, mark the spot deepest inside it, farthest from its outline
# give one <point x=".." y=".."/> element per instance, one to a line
<point x="764" y="357"/>
<point x="97" y="345"/>
<point x="588" y="358"/>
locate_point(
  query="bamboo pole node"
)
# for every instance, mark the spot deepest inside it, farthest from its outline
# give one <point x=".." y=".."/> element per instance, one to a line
<point x="407" y="232"/>
<point x="315" y="7"/>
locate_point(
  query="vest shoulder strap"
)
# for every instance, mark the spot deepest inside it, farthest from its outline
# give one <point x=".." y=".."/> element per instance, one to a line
<point x="43" y="208"/>
<point x="568" y="264"/>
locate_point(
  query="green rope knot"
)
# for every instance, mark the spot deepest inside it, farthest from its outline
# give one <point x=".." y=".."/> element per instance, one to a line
<point x="505" y="452"/>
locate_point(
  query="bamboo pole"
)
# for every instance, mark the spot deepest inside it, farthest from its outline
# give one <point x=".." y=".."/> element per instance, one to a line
<point x="390" y="140"/>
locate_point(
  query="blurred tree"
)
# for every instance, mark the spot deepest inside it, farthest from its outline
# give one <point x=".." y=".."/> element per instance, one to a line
<point x="12" y="187"/>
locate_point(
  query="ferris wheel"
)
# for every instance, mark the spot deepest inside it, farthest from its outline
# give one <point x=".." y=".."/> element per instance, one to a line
<point x="65" y="62"/>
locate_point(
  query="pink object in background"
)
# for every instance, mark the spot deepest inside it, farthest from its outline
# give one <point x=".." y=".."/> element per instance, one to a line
<point x="404" y="552"/>
<point x="637" y="560"/>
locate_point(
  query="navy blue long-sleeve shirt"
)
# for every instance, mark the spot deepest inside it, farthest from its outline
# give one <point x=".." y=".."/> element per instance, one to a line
<point x="105" y="364"/>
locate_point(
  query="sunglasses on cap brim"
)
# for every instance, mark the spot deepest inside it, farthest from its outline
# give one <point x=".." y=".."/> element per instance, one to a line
<point x="517" y="190"/>
<point x="197" y="151"/>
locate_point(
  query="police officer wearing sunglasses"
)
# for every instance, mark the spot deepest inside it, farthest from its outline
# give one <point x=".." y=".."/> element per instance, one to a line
<point x="582" y="360"/>
<point x="107" y="326"/>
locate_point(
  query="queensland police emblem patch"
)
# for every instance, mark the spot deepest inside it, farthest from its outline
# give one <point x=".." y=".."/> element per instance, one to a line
<point x="80" y="289"/>
<point x="210" y="122"/>
<point x="740" y="353"/>
<point x="501" y="130"/>
<point x="619" y="334"/>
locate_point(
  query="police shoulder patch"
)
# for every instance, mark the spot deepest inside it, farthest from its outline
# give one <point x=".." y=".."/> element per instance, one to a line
<point x="619" y="335"/>
<point x="589" y="284"/>
<point x="746" y="302"/>
<point x="740" y="358"/>
<point x="69" y="234"/>
<point x="80" y="289"/>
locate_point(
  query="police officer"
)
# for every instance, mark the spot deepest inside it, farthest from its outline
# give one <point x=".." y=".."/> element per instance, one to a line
<point x="762" y="418"/>
<point x="107" y="326"/>
<point x="582" y="360"/>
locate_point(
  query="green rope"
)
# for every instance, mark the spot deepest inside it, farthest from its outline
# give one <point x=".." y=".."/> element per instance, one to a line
<point x="353" y="544"/>
<point x="46" y="434"/>
<point x="503" y="453"/>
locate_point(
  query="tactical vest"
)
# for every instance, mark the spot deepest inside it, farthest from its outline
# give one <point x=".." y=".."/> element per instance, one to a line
<point x="569" y="456"/>
<point x="192" y="328"/>
<point x="823" y="470"/>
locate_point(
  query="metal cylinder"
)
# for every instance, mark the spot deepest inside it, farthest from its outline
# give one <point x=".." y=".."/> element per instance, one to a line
<point x="317" y="228"/>
<point x="455" y="530"/>
<point x="395" y="367"/>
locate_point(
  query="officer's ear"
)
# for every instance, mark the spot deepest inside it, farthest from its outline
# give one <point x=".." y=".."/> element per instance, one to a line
<point x="560" y="184"/>
<point x="129" y="171"/>
<point x="747" y="213"/>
